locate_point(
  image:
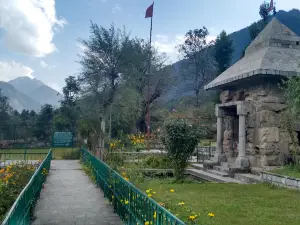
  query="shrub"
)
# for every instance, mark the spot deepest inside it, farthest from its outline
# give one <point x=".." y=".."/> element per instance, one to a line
<point x="12" y="180"/>
<point x="180" y="139"/>
<point x="157" y="162"/>
<point x="72" y="155"/>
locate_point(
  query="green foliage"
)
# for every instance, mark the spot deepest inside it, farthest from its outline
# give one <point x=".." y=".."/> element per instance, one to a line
<point x="264" y="11"/>
<point x="114" y="159"/>
<point x="255" y="28"/>
<point x="12" y="181"/>
<point x="223" y="51"/>
<point x="157" y="162"/>
<point x="88" y="169"/>
<point x="291" y="170"/>
<point x="290" y="117"/>
<point x="180" y="139"/>
<point x="200" y="65"/>
<point x="71" y="155"/>
<point x="43" y="127"/>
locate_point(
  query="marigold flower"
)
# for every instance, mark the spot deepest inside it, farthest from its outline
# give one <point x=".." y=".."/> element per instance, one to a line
<point x="211" y="214"/>
<point x="192" y="218"/>
<point x="172" y="190"/>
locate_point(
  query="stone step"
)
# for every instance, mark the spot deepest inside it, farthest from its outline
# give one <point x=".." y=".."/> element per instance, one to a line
<point x="218" y="168"/>
<point x="224" y="164"/>
<point x="205" y="175"/>
<point x="221" y="169"/>
<point x="197" y="166"/>
<point x="248" y="178"/>
<point x="219" y="173"/>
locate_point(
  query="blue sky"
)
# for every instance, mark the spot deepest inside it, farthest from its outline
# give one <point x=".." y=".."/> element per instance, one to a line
<point x="38" y="37"/>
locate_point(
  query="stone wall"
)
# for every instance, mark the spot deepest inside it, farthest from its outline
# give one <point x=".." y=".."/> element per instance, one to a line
<point x="230" y="137"/>
<point x="267" y="142"/>
<point x="282" y="181"/>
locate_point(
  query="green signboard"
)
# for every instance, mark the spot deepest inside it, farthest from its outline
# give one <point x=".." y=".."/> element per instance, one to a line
<point x="62" y="139"/>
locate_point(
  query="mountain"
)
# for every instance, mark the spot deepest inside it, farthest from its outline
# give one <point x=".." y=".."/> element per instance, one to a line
<point x="36" y="90"/>
<point x="17" y="99"/>
<point x="45" y="95"/>
<point x="241" y="39"/>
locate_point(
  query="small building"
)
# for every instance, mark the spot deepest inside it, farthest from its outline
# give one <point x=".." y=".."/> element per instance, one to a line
<point x="249" y="128"/>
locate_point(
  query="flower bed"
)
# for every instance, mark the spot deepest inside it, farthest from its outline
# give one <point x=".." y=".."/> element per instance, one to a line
<point x="13" y="179"/>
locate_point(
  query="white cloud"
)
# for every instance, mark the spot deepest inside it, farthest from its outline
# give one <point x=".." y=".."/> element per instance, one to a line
<point x="117" y="8"/>
<point x="12" y="70"/>
<point x="45" y="65"/>
<point x="29" y="25"/>
<point x="168" y="45"/>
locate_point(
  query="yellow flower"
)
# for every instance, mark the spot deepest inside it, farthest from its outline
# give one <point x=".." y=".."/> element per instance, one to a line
<point x="154" y="215"/>
<point x="147" y="223"/>
<point x="126" y="178"/>
<point x="192" y="218"/>
<point x="126" y="202"/>
<point x="211" y="214"/>
<point x="2" y="171"/>
<point x="147" y="191"/>
<point x="181" y="203"/>
<point x="172" y="190"/>
<point x="154" y="192"/>
<point x="149" y="195"/>
<point x="123" y="174"/>
<point x="112" y="197"/>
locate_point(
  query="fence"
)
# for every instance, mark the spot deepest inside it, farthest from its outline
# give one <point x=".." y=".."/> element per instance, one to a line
<point x="20" y="212"/>
<point x="132" y="205"/>
<point x="9" y="155"/>
<point x="204" y="153"/>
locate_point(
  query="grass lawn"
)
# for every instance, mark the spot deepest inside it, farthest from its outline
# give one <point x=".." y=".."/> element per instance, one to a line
<point x="257" y="204"/>
<point x="288" y="171"/>
<point x="33" y="154"/>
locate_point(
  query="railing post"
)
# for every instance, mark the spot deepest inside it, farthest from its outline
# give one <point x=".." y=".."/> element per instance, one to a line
<point x="25" y="154"/>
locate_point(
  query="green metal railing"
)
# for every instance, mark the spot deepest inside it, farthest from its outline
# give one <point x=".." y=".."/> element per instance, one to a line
<point x="20" y="212"/>
<point x="133" y="206"/>
<point x="10" y="156"/>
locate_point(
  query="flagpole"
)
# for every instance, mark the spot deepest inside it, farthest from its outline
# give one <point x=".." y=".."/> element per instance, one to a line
<point x="149" y="74"/>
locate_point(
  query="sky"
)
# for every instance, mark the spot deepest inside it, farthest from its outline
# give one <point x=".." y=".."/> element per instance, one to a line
<point x="38" y="38"/>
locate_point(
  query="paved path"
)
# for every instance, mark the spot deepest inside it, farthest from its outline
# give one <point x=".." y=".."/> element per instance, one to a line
<point x="70" y="198"/>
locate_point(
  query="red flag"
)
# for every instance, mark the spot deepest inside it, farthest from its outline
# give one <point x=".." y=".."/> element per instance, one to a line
<point x="271" y="6"/>
<point x="149" y="11"/>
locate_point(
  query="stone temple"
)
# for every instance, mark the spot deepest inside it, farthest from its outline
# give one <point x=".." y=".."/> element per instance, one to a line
<point x="249" y="131"/>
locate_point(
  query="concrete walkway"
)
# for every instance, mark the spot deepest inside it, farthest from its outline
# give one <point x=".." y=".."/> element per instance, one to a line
<point x="70" y="198"/>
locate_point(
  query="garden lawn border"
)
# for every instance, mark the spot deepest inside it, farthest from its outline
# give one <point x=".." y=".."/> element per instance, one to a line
<point x="281" y="180"/>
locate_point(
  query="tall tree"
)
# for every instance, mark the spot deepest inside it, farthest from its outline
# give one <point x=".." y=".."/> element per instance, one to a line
<point x="65" y="119"/>
<point x="43" y="129"/>
<point x="137" y="76"/>
<point x="264" y="11"/>
<point x="5" y="109"/>
<point x="196" y="51"/>
<point x="102" y="66"/>
<point x="102" y="62"/>
<point x="223" y="51"/>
